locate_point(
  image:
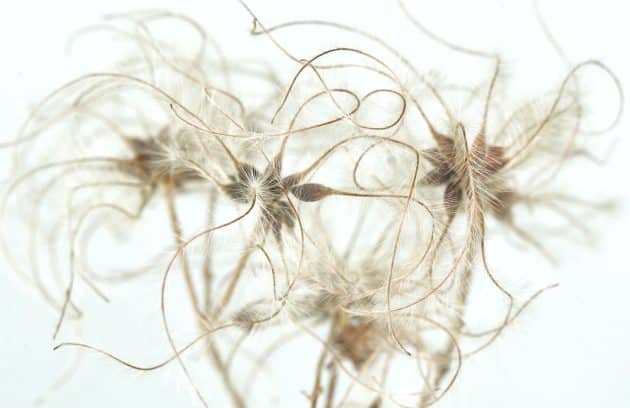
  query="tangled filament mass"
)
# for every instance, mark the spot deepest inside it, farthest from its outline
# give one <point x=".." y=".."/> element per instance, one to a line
<point x="340" y="199"/>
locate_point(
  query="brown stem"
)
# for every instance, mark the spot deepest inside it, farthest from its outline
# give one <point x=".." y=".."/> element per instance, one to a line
<point x="236" y="275"/>
<point x="207" y="261"/>
<point x="225" y="376"/>
<point x="444" y="357"/>
<point x="177" y="233"/>
<point x="332" y="385"/>
<point x="317" y="389"/>
<point x="202" y="318"/>
<point x="320" y="363"/>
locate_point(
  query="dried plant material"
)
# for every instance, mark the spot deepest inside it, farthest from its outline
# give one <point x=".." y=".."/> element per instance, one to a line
<point x="339" y="199"/>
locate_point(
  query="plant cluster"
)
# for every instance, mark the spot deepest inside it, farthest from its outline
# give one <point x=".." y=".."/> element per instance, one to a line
<point x="352" y="212"/>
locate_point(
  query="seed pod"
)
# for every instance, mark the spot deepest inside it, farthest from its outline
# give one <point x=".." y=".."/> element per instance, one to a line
<point x="311" y="192"/>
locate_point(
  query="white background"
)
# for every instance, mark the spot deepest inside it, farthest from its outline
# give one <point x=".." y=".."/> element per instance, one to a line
<point x="569" y="349"/>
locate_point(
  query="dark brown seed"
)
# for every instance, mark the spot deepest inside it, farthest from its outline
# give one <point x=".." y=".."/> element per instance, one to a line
<point x="311" y="192"/>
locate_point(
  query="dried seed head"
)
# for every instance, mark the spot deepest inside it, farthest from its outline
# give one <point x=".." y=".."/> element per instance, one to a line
<point x="242" y="186"/>
<point x="156" y="158"/>
<point x="356" y="341"/>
